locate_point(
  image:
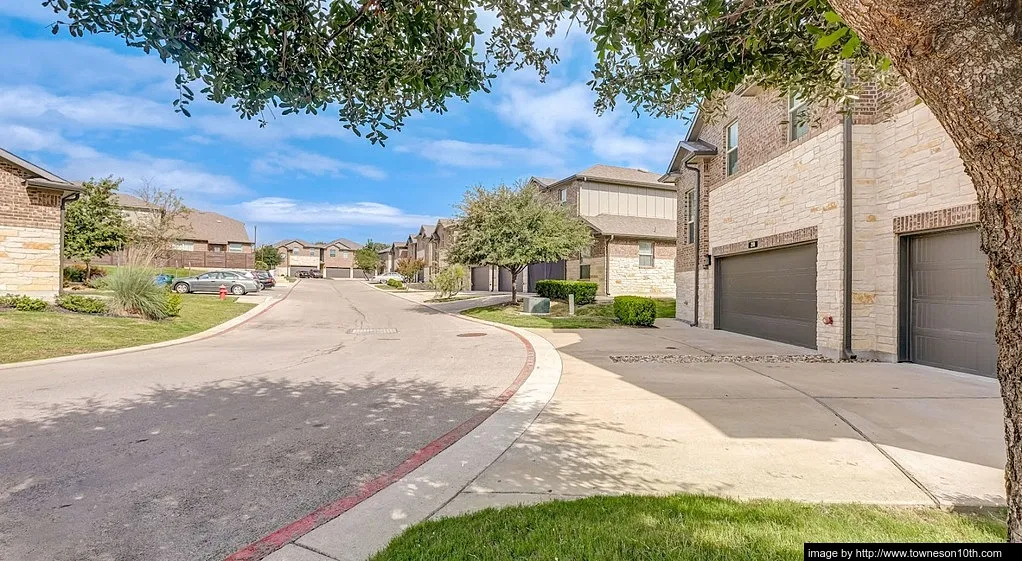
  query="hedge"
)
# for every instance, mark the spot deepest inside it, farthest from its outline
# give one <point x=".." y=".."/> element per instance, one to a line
<point x="22" y="303"/>
<point x="635" y="310"/>
<point x="394" y="283"/>
<point x="584" y="291"/>
<point x="81" y="304"/>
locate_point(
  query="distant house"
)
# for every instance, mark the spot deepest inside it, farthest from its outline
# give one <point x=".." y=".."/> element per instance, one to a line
<point x="335" y="259"/>
<point x="209" y="240"/>
<point x="31" y="210"/>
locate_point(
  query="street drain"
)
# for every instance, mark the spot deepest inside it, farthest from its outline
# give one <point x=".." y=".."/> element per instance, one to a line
<point x="371" y="331"/>
<point x="471" y="335"/>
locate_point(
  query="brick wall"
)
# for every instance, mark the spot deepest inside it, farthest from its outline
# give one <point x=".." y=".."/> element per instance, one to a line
<point x="343" y="257"/>
<point x="627" y="277"/>
<point x="29" y="236"/>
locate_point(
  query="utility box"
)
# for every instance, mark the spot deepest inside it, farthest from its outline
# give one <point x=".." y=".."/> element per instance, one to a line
<point x="535" y="305"/>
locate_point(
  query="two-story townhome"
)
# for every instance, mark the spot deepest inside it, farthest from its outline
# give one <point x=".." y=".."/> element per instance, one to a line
<point x="774" y="176"/>
<point x="334" y="259"/>
<point x="208" y="240"/>
<point x="32" y="204"/>
<point x="633" y="217"/>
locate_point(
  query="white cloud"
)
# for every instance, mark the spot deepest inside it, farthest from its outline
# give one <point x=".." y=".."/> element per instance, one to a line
<point x="103" y="110"/>
<point x="32" y="10"/>
<point x="313" y="164"/>
<point x="458" y="153"/>
<point x="80" y="161"/>
<point x="279" y="210"/>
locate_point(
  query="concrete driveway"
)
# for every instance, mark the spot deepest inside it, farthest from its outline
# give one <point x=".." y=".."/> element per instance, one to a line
<point x="662" y="411"/>
<point x="193" y="451"/>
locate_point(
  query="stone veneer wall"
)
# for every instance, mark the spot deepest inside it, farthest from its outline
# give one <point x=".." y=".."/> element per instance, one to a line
<point x="29" y="236"/>
<point x="626" y="277"/>
<point x="902" y="166"/>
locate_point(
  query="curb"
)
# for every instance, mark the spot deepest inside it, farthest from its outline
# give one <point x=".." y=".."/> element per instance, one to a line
<point x="363" y="520"/>
<point x="202" y="335"/>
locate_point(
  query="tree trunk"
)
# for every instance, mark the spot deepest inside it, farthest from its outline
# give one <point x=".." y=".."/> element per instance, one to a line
<point x="964" y="59"/>
<point x="514" y="286"/>
<point x="88" y="271"/>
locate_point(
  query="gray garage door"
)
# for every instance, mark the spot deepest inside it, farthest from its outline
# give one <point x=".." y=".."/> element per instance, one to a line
<point x="951" y="314"/>
<point x="338" y="273"/>
<point x="769" y="294"/>
<point x="504" y="281"/>
<point x="481" y="278"/>
<point x="543" y="271"/>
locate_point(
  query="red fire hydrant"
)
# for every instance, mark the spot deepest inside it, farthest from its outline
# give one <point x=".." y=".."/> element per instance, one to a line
<point x="223" y="292"/>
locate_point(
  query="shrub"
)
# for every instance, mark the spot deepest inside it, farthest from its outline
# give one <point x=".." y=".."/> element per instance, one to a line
<point x="136" y="293"/>
<point x="173" y="304"/>
<point x="261" y="266"/>
<point x="81" y="304"/>
<point x="584" y="291"/>
<point x="22" y="303"/>
<point x="449" y="281"/>
<point x="74" y="273"/>
<point x="635" y="310"/>
<point x="394" y="283"/>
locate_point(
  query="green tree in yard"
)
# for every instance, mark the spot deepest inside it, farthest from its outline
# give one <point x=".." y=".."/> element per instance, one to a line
<point x="514" y="226"/>
<point x="94" y="225"/>
<point x="269" y="255"/>
<point x="962" y="57"/>
<point x="367" y="259"/>
<point x="409" y="268"/>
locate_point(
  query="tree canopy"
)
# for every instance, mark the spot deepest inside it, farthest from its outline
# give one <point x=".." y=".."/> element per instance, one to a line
<point x="268" y="255"/>
<point x="367" y="259"/>
<point x="94" y="225"/>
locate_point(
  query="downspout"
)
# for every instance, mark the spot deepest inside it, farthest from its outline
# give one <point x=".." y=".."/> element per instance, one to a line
<point x="60" y="251"/>
<point x="698" y="244"/>
<point x="846" y="325"/>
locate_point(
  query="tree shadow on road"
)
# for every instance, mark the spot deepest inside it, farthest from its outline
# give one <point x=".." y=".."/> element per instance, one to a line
<point x="195" y="473"/>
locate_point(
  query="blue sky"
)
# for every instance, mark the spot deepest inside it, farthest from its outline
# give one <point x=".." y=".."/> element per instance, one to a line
<point x="90" y="106"/>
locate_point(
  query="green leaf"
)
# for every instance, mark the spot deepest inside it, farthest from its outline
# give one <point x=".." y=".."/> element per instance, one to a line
<point x="849" y="49"/>
<point x="832" y="17"/>
<point x="828" y="40"/>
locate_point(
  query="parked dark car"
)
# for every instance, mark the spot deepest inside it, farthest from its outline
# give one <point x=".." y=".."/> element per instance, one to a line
<point x="315" y="274"/>
<point x="264" y="279"/>
<point x="303" y="274"/>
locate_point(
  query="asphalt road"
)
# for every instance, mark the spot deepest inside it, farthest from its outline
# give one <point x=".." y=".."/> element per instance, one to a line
<point x="193" y="451"/>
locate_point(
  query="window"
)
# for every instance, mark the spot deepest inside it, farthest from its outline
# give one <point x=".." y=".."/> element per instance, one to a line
<point x="184" y="246"/>
<point x="294" y="251"/>
<point x="564" y="196"/>
<point x="231" y="276"/>
<point x="732" y="148"/>
<point x="344" y="255"/>
<point x="645" y="254"/>
<point x="583" y="272"/>
<point x="690" y="215"/>
<point x="333" y="252"/>
<point x="216" y="248"/>
<point x="312" y="252"/>
<point x="207" y="276"/>
<point x="798" y="117"/>
<point x="234" y="248"/>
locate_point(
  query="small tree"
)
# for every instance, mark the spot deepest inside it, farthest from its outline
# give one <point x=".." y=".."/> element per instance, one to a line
<point x="94" y="225"/>
<point x="449" y="281"/>
<point x="268" y="255"/>
<point x="366" y="259"/>
<point x="513" y="227"/>
<point x="408" y="268"/>
<point x="159" y="225"/>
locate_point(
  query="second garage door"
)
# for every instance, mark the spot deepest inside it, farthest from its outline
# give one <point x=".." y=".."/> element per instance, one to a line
<point x="481" y="278"/>
<point x="769" y="294"/>
<point x="338" y="273"/>
<point x="543" y="271"/>
<point x="951" y="315"/>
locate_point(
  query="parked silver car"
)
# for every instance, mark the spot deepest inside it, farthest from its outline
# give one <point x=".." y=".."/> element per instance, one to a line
<point x="381" y="279"/>
<point x="235" y="281"/>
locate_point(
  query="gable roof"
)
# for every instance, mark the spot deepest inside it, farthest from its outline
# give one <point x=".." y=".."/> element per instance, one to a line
<point x="543" y="181"/>
<point x="125" y="200"/>
<point x="427" y="230"/>
<point x="345" y="243"/>
<point x="45" y="179"/>
<point x="633" y="226"/>
<point x="617" y="175"/>
<point x="214" y="228"/>
<point x="689" y="147"/>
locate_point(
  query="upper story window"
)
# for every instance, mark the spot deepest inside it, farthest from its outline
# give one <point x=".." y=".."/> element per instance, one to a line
<point x="344" y="255"/>
<point x="798" y="117"/>
<point x="690" y="215"/>
<point x="294" y="251"/>
<point x="235" y="248"/>
<point x="312" y="252"/>
<point x="731" y="142"/>
<point x="333" y="252"/>
<point x="564" y="196"/>
<point x="645" y="254"/>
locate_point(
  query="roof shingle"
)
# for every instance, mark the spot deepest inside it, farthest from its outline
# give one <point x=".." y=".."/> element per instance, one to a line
<point x="633" y="226"/>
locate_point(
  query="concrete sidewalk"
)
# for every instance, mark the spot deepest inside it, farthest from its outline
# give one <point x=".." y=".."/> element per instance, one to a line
<point x="631" y="415"/>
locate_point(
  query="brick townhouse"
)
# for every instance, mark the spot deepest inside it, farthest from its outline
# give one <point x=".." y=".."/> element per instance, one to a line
<point x="335" y="259"/>
<point x="772" y="222"/>
<point x="632" y="215"/>
<point x="31" y="213"/>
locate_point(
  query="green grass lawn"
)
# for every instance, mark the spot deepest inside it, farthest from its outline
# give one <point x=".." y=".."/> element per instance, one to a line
<point x="176" y="272"/>
<point x="680" y="527"/>
<point x="591" y="316"/>
<point x="49" y="334"/>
